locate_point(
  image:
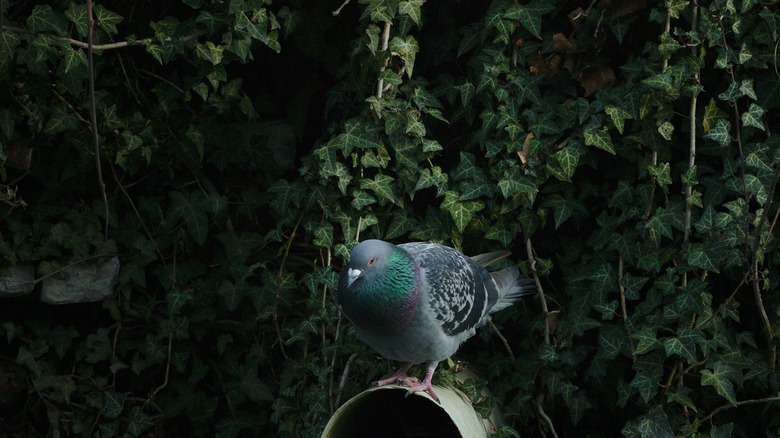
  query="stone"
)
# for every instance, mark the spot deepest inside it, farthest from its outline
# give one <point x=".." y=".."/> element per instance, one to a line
<point x="82" y="282"/>
<point x="16" y="280"/>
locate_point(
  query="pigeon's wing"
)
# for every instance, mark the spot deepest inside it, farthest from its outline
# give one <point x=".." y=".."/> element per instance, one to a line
<point x="460" y="292"/>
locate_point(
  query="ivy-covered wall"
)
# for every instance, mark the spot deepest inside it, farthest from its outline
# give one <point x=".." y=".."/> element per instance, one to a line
<point x="231" y="153"/>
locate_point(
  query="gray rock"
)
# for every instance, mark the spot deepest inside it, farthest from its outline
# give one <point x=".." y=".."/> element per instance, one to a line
<point x="83" y="282"/>
<point x="16" y="280"/>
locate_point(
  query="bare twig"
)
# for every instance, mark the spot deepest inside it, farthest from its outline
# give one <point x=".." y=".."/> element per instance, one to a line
<point x="540" y="410"/>
<point x="111" y="46"/>
<point x="623" y="308"/>
<point x="503" y="339"/>
<point x="338" y="11"/>
<point x="70" y="265"/>
<point x="167" y="371"/>
<point x="691" y="147"/>
<point x="279" y="288"/>
<point x="385" y="41"/>
<point x="738" y="404"/>
<point x="539" y="290"/>
<point x="726" y="303"/>
<point x="654" y="160"/>
<point x="343" y="380"/>
<point x="93" y="114"/>
<point x="138" y="215"/>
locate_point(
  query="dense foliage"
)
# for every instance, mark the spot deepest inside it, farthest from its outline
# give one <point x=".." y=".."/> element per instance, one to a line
<point x="623" y="150"/>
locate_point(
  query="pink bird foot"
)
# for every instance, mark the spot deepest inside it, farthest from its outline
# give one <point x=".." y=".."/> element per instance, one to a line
<point x="398" y="377"/>
<point x="416" y="386"/>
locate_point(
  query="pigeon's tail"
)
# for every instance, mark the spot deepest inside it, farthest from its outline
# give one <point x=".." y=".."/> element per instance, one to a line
<point x="511" y="287"/>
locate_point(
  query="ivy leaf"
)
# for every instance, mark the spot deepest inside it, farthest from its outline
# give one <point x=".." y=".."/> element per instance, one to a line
<point x="577" y="406"/>
<point x="432" y="177"/>
<point x="648" y="374"/>
<point x="407" y="49"/>
<point x="753" y="117"/>
<point x="75" y="59"/>
<point x="568" y="158"/>
<point x="746" y="88"/>
<point x="400" y="225"/>
<point x="412" y="9"/>
<point x="683" y="345"/>
<point x="360" y="199"/>
<point x="702" y="257"/>
<point x="530" y="15"/>
<point x="516" y="184"/>
<point x="372" y="31"/>
<point x="356" y="135"/>
<point x="210" y="52"/>
<point x="77" y="14"/>
<point x="113" y="404"/>
<point x="632" y="285"/>
<point x="138" y="421"/>
<point x="666" y="129"/>
<point x="600" y="139"/>
<point x="661" y="81"/>
<point x="107" y="20"/>
<point x="711" y="115"/>
<point x="563" y="207"/>
<point x="718" y="378"/>
<point x="732" y="93"/>
<point x="461" y="211"/>
<point x="495" y="20"/>
<point x="618" y="116"/>
<point x="191" y="210"/>
<point x="660" y="224"/>
<point x="646" y="340"/>
<point x="381" y="185"/>
<point x="720" y="132"/>
<point x="44" y="19"/>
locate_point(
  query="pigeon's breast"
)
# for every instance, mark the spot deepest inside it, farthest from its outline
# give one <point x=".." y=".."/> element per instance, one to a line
<point x="416" y="342"/>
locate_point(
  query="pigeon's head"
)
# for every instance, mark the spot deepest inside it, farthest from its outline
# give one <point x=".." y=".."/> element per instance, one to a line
<point x="368" y="260"/>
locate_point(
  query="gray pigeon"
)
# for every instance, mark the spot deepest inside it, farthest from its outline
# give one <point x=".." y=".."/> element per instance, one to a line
<point x="416" y="302"/>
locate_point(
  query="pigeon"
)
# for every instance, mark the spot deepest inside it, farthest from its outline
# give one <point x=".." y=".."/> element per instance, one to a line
<point x="417" y="302"/>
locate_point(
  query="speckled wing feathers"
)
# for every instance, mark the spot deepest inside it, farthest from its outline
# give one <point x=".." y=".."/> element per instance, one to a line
<point x="460" y="292"/>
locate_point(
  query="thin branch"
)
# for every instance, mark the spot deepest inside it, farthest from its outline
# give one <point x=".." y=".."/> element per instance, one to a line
<point x="540" y="410"/>
<point x="738" y="404"/>
<point x="539" y="290"/>
<point x="138" y="215"/>
<point x="343" y="380"/>
<point x="726" y="303"/>
<point x="385" y="41"/>
<point x="93" y="114"/>
<point x="167" y="371"/>
<point x="70" y="265"/>
<point x="338" y="11"/>
<point x="111" y="46"/>
<point x="279" y="289"/>
<point x="503" y="339"/>
<point x="691" y="147"/>
<point x="623" y="305"/>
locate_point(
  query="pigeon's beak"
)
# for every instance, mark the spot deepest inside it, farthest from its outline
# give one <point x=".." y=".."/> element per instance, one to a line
<point x="352" y="275"/>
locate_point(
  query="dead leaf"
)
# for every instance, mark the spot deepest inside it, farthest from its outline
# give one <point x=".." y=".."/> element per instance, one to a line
<point x="523" y="155"/>
<point x="596" y="78"/>
<point x="562" y="44"/>
<point x="548" y="67"/>
<point x="620" y="8"/>
<point x="18" y="156"/>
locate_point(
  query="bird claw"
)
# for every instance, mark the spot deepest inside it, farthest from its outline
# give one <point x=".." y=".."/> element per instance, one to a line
<point x="424" y="386"/>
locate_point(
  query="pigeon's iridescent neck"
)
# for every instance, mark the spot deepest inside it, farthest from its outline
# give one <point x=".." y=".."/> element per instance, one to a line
<point x="389" y="301"/>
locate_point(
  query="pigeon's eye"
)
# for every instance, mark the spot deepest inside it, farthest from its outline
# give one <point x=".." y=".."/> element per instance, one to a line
<point x="372" y="261"/>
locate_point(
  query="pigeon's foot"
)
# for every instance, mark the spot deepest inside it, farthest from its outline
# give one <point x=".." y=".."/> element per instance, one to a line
<point x="417" y="386"/>
<point x="398" y="377"/>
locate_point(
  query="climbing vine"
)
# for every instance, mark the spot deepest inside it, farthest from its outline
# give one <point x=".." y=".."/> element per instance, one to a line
<point x="230" y="154"/>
